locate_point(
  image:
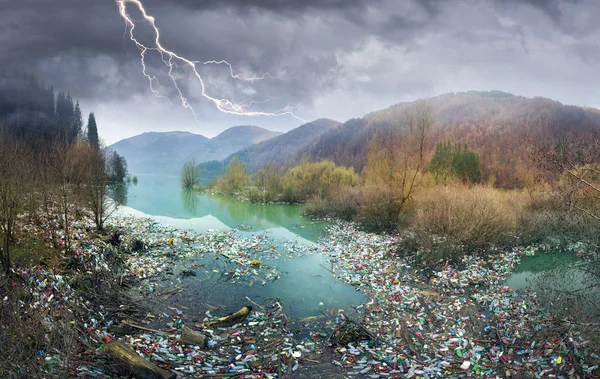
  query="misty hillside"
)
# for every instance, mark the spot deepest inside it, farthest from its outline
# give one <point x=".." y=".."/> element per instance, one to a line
<point x="165" y="152"/>
<point x="32" y="110"/>
<point x="273" y="151"/>
<point x="241" y="135"/>
<point x="493" y="124"/>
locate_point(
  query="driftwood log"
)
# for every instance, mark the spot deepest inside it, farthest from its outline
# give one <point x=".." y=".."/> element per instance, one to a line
<point x="190" y="337"/>
<point x="231" y="319"/>
<point x="134" y="365"/>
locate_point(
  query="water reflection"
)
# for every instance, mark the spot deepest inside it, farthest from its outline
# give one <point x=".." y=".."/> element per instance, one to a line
<point x="302" y="284"/>
<point x="562" y="282"/>
<point x="162" y="196"/>
<point x="305" y="288"/>
<point x="189" y="200"/>
<point x="118" y="192"/>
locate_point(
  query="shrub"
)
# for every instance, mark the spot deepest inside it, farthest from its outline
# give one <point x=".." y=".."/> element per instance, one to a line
<point x="267" y="185"/>
<point x="261" y="195"/>
<point x="379" y="209"/>
<point x="342" y="204"/>
<point x="235" y="180"/>
<point x="25" y="332"/>
<point x="469" y="216"/>
<point x="190" y="176"/>
<point x="310" y="179"/>
<point x="547" y="220"/>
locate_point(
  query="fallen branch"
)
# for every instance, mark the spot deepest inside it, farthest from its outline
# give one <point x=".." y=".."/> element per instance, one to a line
<point x="258" y="305"/>
<point x="231" y="319"/>
<point x="271" y="344"/>
<point x="143" y="328"/>
<point x="229" y="375"/>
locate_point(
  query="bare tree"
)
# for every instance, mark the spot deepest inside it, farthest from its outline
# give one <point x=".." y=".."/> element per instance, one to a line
<point x="419" y="120"/>
<point x="96" y="188"/>
<point x="578" y="170"/>
<point x="190" y="176"/>
<point x="14" y="174"/>
<point x="394" y="170"/>
<point x="68" y="164"/>
<point x="398" y="160"/>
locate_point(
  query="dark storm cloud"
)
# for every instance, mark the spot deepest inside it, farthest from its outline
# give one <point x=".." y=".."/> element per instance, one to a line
<point x="37" y="29"/>
<point x="551" y="7"/>
<point x="275" y="5"/>
<point x="69" y="36"/>
<point x="337" y="58"/>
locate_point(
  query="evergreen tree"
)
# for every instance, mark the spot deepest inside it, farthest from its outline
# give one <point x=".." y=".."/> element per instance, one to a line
<point x="50" y="103"/>
<point x="467" y="167"/>
<point x="441" y="163"/>
<point x="77" y="121"/>
<point x="457" y="161"/>
<point x="92" y="131"/>
<point x="64" y="116"/>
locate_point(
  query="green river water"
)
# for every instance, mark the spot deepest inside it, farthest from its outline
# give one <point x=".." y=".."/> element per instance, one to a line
<point x="305" y="286"/>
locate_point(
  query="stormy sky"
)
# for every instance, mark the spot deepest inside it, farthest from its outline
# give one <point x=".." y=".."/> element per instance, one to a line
<point x="329" y="58"/>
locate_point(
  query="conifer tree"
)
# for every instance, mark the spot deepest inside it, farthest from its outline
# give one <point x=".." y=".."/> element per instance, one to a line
<point x="77" y="121"/>
<point x="92" y="131"/>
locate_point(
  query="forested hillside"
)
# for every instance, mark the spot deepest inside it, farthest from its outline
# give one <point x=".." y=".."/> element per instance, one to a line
<point x="495" y="125"/>
<point x="31" y="111"/>
<point x="49" y="160"/>
<point x="275" y="151"/>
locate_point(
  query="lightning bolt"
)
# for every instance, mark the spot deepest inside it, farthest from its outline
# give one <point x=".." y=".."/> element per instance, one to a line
<point x="173" y="60"/>
<point x="237" y="76"/>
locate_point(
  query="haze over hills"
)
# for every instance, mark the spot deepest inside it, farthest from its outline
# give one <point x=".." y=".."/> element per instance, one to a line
<point x="494" y="124"/>
<point x="165" y="152"/>
<point x="273" y="151"/>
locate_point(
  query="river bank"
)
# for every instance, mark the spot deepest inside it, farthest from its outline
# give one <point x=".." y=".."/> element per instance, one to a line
<point x="455" y="321"/>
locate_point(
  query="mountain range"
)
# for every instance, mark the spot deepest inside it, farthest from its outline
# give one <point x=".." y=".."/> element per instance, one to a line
<point x="494" y="124"/>
<point x="166" y="152"/>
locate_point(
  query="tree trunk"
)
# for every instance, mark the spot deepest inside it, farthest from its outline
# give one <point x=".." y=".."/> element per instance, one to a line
<point x="5" y="253"/>
<point x="133" y="364"/>
<point x="66" y="220"/>
<point x="6" y="248"/>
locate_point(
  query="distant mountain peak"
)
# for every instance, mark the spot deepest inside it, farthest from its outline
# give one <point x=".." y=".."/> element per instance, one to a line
<point x="278" y="149"/>
<point x="165" y="152"/>
<point x="325" y="121"/>
<point x="240" y="133"/>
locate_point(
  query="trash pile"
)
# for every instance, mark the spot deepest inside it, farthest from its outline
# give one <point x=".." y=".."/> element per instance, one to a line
<point x="262" y="345"/>
<point x="48" y="296"/>
<point x="456" y="321"/>
<point x="165" y="247"/>
<point x="45" y="287"/>
<point x="460" y="321"/>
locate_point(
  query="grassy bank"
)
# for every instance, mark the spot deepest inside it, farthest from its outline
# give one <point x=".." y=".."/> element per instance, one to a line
<point x="439" y="208"/>
<point x="447" y="220"/>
